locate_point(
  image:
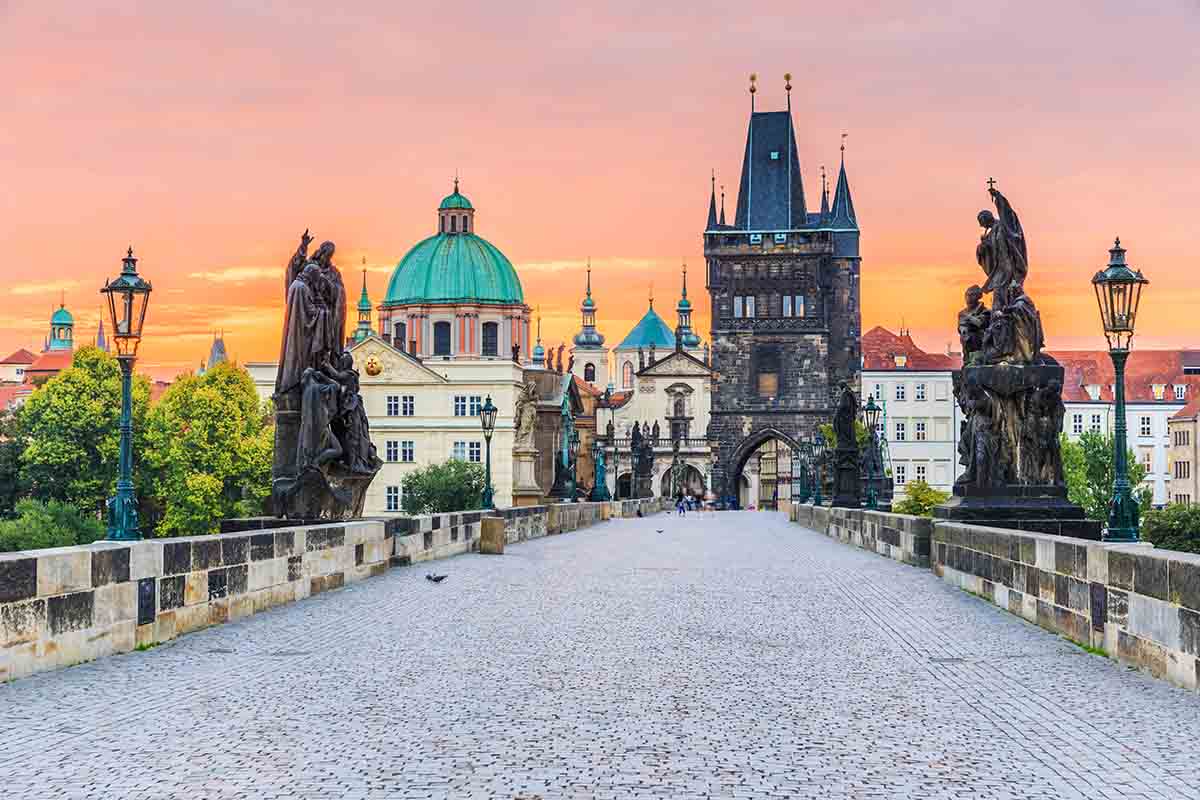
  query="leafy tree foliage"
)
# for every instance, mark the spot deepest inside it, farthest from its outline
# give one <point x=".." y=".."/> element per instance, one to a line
<point x="919" y="499"/>
<point x="860" y="434"/>
<point x="454" y="485"/>
<point x="1176" y="527"/>
<point x="50" y="524"/>
<point x="208" y="452"/>
<point x="12" y="444"/>
<point x="72" y="435"/>
<point x="1088" y="465"/>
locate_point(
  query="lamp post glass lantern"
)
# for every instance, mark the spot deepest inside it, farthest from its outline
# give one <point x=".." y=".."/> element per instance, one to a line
<point x="819" y="458"/>
<point x="1118" y="292"/>
<point x="128" y="295"/>
<point x="871" y="418"/>
<point x="487" y="418"/>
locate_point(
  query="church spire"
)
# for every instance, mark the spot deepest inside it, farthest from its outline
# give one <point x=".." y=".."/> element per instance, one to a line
<point x="843" y="205"/>
<point x="824" y="196"/>
<point x="712" y="204"/>
<point x="721" y="222"/>
<point x="364" y="309"/>
<point x="684" y="336"/>
<point x="588" y="336"/>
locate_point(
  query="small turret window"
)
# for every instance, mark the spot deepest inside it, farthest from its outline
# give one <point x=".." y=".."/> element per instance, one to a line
<point x="589" y="373"/>
<point x="453" y="224"/>
<point x="441" y="338"/>
<point x="442" y="225"/>
<point x="627" y="375"/>
<point x="464" y="223"/>
<point x="401" y="335"/>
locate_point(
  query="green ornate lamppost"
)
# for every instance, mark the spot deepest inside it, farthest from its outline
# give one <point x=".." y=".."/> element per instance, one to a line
<point x="805" y="490"/>
<point x="874" y="459"/>
<point x="128" y="295"/>
<point x="1118" y="292"/>
<point x="487" y="418"/>
<point x="818" y="450"/>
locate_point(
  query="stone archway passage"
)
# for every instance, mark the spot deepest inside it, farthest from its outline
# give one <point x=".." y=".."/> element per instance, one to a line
<point x="693" y="482"/>
<point x="736" y="461"/>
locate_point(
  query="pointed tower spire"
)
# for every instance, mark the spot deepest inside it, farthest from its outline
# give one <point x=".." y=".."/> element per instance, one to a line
<point x="721" y="222"/>
<point x="712" y="204"/>
<point x="539" y="352"/>
<point x="843" y="205"/>
<point x="824" y="195"/>
<point x="684" y="336"/>
<point x="588" y="337"/>
<point x="364" y="309"/>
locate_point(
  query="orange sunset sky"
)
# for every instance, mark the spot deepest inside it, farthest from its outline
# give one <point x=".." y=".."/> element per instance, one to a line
<point x="209" y="135"/>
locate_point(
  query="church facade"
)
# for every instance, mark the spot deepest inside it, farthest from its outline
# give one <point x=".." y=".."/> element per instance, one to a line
<point x="783" y="282"/>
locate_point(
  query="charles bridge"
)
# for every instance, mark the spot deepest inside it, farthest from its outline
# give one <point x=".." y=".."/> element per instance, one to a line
<point x="813" y="653"/>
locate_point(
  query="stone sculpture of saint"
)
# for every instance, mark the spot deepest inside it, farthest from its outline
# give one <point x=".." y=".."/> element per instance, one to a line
<point x="526" y="416"/>
<point x="1001" y="251"/>
<point x="843" y="420"/>
<point x="351" y="427"/>
<point x="334" y="293"/>
<point x="305" y="327"/>
<point x="973" y="324"/>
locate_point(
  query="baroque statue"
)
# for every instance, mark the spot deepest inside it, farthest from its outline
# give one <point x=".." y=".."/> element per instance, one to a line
<point x="526" y="416"/>
<point x="324" y="459"/>
<point x="847" y="478"/>
<point x="1010" y="394"/>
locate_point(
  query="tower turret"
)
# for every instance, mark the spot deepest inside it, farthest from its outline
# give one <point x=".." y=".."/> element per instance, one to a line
<point x="685" y="336"/>
<point x="364" y="311"/>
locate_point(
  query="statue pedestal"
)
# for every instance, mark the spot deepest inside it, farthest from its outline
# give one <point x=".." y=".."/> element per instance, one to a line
<point x="526" y="491"/>
<point x="847" y="487"/>
<point x="1010" y="447"/>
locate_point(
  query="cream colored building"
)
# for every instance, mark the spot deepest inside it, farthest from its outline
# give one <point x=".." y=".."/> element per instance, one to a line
<point x="1183" y="455"/>
<point x="426" y="414"/>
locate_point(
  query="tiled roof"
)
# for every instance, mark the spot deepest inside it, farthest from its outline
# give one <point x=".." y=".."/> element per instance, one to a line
<point x="9" y="394"/>
<point x="21" y="356"/>
<point x="1190" y="410"/>
<point x="880" y="348"/>
<point x="1144" y="369"/>
<point x="49" y="363"/>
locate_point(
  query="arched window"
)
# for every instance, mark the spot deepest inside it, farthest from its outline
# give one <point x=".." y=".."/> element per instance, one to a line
<point x="491" y="339"/>
<point x="627" y="375"/>
<point x="441" y="338"/>
<point x="442" y="225"/>
<point x="400" y="340"/>
<point x="680" y="410"/>
<point x="453" y="224"/>
<point x="464" y="223"/>
<point x="589" y="373"/>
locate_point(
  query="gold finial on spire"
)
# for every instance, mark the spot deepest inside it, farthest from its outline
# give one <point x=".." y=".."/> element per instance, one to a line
<point x="844" y="135"/>
<point x="787" y="81"/>
<point x="651" y="294"/>
<point x="753" y="80"/>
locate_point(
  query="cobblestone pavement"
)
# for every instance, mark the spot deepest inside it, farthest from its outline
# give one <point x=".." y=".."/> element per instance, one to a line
<point x="734" y="656"/>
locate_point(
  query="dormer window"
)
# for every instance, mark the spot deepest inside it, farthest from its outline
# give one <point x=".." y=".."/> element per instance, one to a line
<point x="1180" y="391"/>
<point x="1093" y="390"/>
<point x="901" y="360"/>
<point x="1159" y="389"/>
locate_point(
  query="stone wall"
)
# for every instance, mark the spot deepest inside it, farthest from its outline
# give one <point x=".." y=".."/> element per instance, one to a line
<point x="1139" y="605"/>
<point x="896" y="536"/>
<point x="69" y="605"/>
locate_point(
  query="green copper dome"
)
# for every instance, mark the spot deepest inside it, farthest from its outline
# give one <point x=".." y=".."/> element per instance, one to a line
<point x="62" y="317"/>
<point x="454" y="267"/>
<point x="455" y="200"/>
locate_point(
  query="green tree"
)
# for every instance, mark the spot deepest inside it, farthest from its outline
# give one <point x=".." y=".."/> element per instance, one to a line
<point x="860" y="434"/>
<point x="12" y="444"/>
<point x="453" y="485"/>
<point x="72" y="435"/>
<point x="50" y="524"/>
<point x="1176" y="527"/>
<point x="919" y="499"/>
<point x="208" y="452"/>
<point x="1088" y="465"/>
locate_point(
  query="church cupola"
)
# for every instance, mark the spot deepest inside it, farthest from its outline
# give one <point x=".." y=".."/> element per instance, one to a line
<point x="685" y="336"/>
<point x="364" y="311"/>
<point x="62" y="329"/>
<point x="539" y="352"/>
<point x="456" y="214"/>
<point x="588" y="336"/>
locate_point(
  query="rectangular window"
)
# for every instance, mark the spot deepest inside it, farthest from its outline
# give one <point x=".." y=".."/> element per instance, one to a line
<point x="900" y="432"/>
<point x="739" y="307"/>
<point x="474" y="452"/>
<point x="393" y="450"/>
<point x="750" y="306"/>
<point x="879" y="391"/>
<point x="919" y="391"/>
<point x="919" y="472"/>
<point x="460" y="405"/>
<point x="1077" y="424"/>
<point x="799" y="304"/>
<point x="460" y="451"/>
<point x="476" y="404"/>
<point x="1180" y="391"/>
<point x="407" y="452"/>
<point x="899" y="474"/>
<point x="1148" y="460"/>
<point x="1145" y="426"/>
<point x="393" y="498"/>
<point x="920" y="431"/>
<point x="767" y="366"/>
<point x="491" y="339"/>
<point x="899" y="391"/>
<point x="407" y="403"/>
<point x="393" y="405"/>
<point x="1095" y="423"/>
<point x="787" y="305"/>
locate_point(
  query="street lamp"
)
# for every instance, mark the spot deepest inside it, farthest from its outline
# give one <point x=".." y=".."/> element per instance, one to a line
<point x="128" y="295"/>
<point x="1118" y="292"/>
<point x="871" y="417"/>
<point x="487" y="418"/>
<point x="573" y="443"/>
<point x="818" y="449"/>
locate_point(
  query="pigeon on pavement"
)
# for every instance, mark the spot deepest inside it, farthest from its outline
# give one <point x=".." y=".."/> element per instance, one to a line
<point x="435" y="578"/>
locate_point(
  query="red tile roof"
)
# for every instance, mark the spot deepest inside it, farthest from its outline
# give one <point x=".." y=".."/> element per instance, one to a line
<point x="21" y="356"/>
<point x="1190" y="410"/>
<point x="880" y="348"/>
<point x="50" y="363"/>
<point x="10" y="393"/>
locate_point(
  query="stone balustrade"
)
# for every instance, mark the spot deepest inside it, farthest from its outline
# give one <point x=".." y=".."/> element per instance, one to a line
<point x="69" y="605"/>
<point x="1135" y="603"/>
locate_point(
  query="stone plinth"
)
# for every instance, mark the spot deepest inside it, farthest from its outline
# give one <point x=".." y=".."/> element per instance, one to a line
<point x="526" y="491"/>
<point x="492" y="536"/>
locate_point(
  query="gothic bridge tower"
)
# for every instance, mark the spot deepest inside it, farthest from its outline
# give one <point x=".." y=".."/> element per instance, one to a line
<point x="784" y="286"/>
